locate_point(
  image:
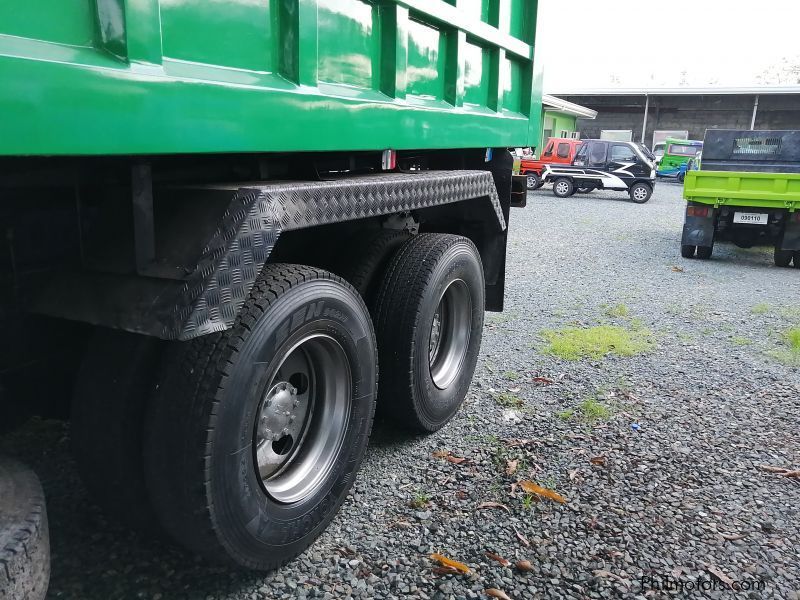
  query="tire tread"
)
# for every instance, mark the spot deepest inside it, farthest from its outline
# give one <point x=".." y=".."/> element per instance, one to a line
<point x="200" y="368"/>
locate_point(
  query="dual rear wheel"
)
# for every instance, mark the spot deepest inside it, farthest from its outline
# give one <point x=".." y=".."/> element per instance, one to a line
<point x="247" y="441"/>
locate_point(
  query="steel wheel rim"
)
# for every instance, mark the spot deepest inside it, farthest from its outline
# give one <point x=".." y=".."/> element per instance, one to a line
<point x="302" y="418"/>
<point x="531" y="181"/>
<point x="562" y="187"/>
<point x="450" y="333"/>
<point x="639" y="193"/>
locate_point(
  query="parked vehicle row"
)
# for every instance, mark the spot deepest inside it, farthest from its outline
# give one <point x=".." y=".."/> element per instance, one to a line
<point x="584" y="166"/>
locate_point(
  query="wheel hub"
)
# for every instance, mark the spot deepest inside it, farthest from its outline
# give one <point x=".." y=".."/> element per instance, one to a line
<point x="450" y="334"/>
<point x="282" y="415"/>
<point x="436" y="334"/>
<point x="302" y="418"/>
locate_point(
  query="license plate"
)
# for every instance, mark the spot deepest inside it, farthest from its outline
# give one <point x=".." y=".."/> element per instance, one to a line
<point x="751" y="218"/>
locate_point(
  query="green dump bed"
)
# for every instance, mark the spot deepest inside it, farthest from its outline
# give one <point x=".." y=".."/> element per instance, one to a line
<point x="99" y="77"/>
<point x="735" y="188"/>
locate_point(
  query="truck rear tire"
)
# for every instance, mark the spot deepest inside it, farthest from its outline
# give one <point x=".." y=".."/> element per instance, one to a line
<point x="367" y="257"/>
<point x="563" y="187"/>
<point x="783" y="258"/>
<point x="115" y="381"/>
<point x="429" y="322"/>
<point x="687" y="250"/>
<point x="640" y="192"/>
<point x="24" y="535"/>
<point x="257" y="433"/>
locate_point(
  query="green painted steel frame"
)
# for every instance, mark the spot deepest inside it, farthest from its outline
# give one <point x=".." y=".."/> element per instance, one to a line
<point x="119" y="94"/>
<point x="734" y="188"/>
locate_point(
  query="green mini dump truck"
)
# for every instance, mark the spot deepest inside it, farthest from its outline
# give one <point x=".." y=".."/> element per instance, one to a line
<point x="747" y="192"/>
<point x="236" y="207"/>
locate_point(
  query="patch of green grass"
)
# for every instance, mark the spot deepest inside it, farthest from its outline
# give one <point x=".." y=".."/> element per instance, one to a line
<point x="566" y="415"/>
<point x="509" y="400"/>
<point x="616" y="311"/>
<point x="793" y="338"/>
<point x="511" y="375"/>
<point x="528" y="501"/>
<point x="593" y="410"/>
<point x="761" y="308"/>
<point x="574" y="343"/>
<point x="790" y="354"/>
<point x="739" y="340"/>
<point x="590" y="410"/>
<point x="420" y="500"/>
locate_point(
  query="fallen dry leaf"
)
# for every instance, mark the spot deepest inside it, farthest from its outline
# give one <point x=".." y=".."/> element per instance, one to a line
<point x="442" y="571"/>
<point x="780" y="471"/>
<point x="524" y="565"/>
<point x="532" y="488"/>
<point x="456" y="460"/>
<point x="495" y="593"/>
<point x="441" y="454"/>
<point x="514" y="390"/>
<point x="462" y="495"/>
<point x="772" y="469"/>
<point x="498" y="558"/>
<point x="493" y="505"/>
<point x="719" y="575"/>
<point x="598" y="460"/>
<point x="511" y="467"/>
<point x="543" y="380"/>
<point x="523" y="540"/>
<point x="732" y="537"/>
<point x="677" y="269"/>
<point x="448" y="562"/>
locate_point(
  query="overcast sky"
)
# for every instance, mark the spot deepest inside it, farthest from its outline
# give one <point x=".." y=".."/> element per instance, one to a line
<point x="664" y="43"/>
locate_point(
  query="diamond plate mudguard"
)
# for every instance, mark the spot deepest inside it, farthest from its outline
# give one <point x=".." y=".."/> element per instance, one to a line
<point x="212" y="295"/>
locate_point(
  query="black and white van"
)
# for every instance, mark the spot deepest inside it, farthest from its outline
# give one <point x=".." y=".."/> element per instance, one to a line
<point x="606" y="165"/>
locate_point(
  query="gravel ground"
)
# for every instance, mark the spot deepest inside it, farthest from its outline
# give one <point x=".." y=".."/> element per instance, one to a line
<point x="667" y="483"/>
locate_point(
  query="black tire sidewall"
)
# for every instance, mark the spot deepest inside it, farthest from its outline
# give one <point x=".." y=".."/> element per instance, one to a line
<point x="571" y="188"/>
<point x="435" y="406"/>
<point x="287" y="527"/>
<point x="647" y="197"/>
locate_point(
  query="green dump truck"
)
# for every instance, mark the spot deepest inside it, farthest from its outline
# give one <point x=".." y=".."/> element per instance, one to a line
<point x="243" y="205"/>
<point x="747" y="192"/>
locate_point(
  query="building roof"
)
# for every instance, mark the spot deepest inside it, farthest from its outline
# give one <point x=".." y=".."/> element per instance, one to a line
<point x="684" y="91"/>
<point x="569" y="108"/>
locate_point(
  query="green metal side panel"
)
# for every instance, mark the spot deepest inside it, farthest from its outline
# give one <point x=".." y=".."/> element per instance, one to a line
<point x="100" y="77"/>
<point x="733" y="188"/>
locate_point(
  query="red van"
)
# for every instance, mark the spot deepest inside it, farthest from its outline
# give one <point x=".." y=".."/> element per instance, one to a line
<point x="556" y="151"/>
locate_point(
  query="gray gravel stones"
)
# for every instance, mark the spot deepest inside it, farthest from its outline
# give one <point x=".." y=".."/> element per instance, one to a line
<point x="680" y="496"/>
